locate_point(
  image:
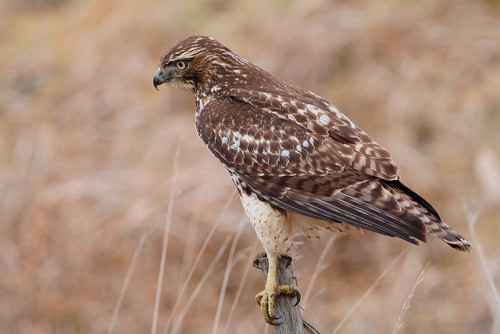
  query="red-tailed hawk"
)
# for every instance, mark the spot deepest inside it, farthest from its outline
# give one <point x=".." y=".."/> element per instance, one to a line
<point x="298" y="163"/>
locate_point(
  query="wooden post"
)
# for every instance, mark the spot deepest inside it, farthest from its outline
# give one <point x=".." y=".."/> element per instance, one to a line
<point x="286" y="309"/>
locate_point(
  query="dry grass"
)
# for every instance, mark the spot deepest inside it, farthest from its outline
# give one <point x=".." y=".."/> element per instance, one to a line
<point x="87" y="156"/>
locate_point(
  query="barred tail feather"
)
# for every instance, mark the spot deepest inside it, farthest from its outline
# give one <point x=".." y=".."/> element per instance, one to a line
<point x="433" y="223"/>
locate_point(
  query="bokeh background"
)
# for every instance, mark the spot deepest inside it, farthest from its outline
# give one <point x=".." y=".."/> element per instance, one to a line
<point x="95" y="165"/>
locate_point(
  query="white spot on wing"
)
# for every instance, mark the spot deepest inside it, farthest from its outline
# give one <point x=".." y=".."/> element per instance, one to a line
<point x="324" y="120"/>
<point x="237" y="141"/>
<point x="302" y="111"/>
<point x="312" y="109"/>
<point x="247" y="138"/>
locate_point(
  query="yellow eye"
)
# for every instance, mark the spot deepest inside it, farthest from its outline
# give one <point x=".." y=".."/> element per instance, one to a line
<point x="181" y="65"/>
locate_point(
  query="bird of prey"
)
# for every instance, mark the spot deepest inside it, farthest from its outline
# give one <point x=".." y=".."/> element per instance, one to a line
<point x="298" y="163"/>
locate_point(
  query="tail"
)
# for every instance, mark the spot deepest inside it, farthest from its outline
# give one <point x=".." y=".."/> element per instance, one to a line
<point x="433" y="223"/>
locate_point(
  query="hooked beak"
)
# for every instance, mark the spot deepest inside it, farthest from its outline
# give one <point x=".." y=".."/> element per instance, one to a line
<point x="158" y="79"/>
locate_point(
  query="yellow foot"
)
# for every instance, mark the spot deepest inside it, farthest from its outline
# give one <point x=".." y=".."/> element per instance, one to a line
<point x="267" y="301"/>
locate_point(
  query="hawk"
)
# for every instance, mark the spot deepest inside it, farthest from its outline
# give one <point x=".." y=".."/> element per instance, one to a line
<point x="298" y="163"/>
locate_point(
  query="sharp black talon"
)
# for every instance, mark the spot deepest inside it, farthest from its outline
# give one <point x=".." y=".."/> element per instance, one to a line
<point x="297" y="297"/>
<point x="256" y="264"/>
<point x="256" y="261"/>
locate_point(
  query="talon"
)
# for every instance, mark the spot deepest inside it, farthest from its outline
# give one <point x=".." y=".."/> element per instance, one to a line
<point x="297" y="297"/>
<point x="256" y="261"/>
<point x="267" y="301"/>
<point x="259" y="297"/>
<point x="256" y="264"/>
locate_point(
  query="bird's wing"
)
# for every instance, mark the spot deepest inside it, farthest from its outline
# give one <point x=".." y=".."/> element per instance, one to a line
<point x="315" y="173"/>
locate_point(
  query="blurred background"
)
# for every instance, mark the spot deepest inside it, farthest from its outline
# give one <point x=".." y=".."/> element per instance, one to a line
<point x="95" y="165"/>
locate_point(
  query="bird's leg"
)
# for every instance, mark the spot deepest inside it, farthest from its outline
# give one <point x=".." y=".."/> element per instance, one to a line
<point x="267" y="298"/>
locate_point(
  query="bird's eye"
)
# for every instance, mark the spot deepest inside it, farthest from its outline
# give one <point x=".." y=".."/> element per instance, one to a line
<point x="181" y="65"/>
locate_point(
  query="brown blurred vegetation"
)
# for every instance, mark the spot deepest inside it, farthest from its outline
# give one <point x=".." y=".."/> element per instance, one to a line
<point x="87" y="151"/>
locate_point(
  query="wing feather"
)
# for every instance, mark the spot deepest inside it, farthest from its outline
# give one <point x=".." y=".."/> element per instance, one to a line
<point x="349" y="205"/>
<point x="297" y="169"/>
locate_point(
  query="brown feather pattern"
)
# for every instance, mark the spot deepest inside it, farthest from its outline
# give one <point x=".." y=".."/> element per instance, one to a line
<point x="295" y="150"/>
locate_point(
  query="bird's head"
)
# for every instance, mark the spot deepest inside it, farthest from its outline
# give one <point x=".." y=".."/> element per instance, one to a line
<point x="195" y="63"/>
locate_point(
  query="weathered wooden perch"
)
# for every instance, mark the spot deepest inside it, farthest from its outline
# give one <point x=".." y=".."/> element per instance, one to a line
<point x="286" y="307"/>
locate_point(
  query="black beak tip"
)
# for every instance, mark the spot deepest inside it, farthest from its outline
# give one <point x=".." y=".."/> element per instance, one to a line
<point x="156" y="82"/>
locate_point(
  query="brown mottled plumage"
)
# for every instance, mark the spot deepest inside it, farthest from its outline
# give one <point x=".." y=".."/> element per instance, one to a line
<point x="298" y="163"/>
